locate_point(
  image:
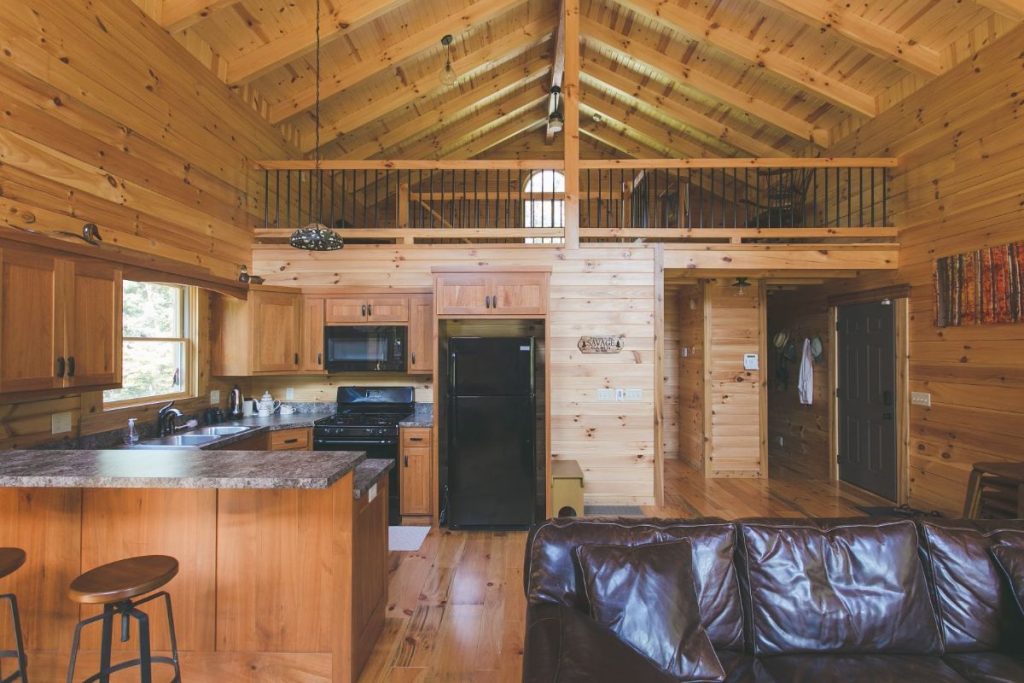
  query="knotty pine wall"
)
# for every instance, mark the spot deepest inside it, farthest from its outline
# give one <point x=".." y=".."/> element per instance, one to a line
<point x="593" y="291"/>
<point x="690" y="316"/>
<point x="960" y="186"/>
<point x="670" y="370"/>
<point x="107" y="119"/>
<point x="804" y="453"/>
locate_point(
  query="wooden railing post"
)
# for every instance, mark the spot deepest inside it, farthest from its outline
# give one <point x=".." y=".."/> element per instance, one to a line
<point x="571" y="102"/>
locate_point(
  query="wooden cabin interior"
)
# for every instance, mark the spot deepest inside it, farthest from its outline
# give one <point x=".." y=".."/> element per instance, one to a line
<point x="765" y="256"/>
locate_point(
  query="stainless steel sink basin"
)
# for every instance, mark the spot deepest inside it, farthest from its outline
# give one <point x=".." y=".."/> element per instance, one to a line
<point x="179" y="441"/>
<point x="224" y="430"/>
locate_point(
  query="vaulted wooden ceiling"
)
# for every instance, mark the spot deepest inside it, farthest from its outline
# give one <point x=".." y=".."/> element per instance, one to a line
<point x="659" y="77"/>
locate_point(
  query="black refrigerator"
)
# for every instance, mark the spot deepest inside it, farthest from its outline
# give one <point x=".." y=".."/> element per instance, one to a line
<point x="491" y="433"/>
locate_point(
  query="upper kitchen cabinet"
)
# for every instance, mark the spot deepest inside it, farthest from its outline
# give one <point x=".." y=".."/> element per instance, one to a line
<point x="261" y="335"/>
<point x="60" y="322"/>
<point x="311" y="356"/>
<point x="522" y="292"/>
<point x="421" y="334"/>
<point x="365" y="310"/>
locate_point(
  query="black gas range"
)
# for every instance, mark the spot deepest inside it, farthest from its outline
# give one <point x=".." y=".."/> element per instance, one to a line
<point x="367" y="419"/>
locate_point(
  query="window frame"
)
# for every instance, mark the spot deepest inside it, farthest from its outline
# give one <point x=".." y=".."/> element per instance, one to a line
<point x="187" y="321"/>
<point x="529" y="205"/>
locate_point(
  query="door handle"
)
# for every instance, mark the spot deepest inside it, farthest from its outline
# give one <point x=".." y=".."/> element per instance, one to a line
<point x="405" y="461"/>
<point x="60" y="366"/>
<point x="71" y="366"/>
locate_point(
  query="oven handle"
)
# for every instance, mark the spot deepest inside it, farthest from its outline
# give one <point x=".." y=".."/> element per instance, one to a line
<point x="355" y="442"/>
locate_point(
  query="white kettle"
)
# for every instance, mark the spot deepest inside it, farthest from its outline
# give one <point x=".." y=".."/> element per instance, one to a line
<point x="267" y="406"/>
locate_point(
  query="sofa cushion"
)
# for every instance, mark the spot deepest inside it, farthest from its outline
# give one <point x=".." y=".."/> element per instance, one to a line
<point x="849" y="586"/>
<point x="645" y="596"/>
<point x="550" y="573"/>
<point x="859" y="668"/>
<point x="976" y="608"/>
<point x="1010" y="559"/>
<point x="987" y="667"/>
<point x="566" y="646"/>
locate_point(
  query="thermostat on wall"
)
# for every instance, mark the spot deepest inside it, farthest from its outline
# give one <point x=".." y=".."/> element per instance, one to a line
<point x="750" y="361"/>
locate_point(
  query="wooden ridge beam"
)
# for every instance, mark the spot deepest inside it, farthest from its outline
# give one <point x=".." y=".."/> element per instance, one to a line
<point x="875" y="38"/>
<point x="358" y="114"/>
<point x="557" y="67"/>
<point x="178" y="15"/>
<point x="391" y="53"/>
<point x="340" y="22"/>
<point x="571" y="98"/>
<point x="680" y="19"/>
<point x="498" y="87"/>
<point x="630" y="88"/>
<point x="674" y="70"/>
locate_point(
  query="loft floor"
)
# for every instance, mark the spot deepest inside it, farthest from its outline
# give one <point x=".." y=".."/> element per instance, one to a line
<point x="456" y="606"/>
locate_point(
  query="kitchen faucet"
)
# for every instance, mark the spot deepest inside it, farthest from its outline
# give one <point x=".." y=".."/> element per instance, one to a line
<point x="166" y="418"/>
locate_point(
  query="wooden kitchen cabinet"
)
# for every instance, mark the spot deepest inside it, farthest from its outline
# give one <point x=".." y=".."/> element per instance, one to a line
<point x="60" y="322"/>
<point x="421" y="335"/>
<point x="261" y="335"/>
<point x="311" y="355"/>
<point x="299" y="439"/>
<point x="491" y="293"/>
<point x="366" y="310"/>
<point x="414" y="476"/>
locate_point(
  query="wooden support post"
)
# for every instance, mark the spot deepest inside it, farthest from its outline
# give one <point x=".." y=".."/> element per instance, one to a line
<point x="571" y="100"/>
<point x="403" y="211"/>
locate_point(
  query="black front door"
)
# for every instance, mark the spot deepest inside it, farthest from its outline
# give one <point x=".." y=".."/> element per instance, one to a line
<point x="867" y="397"/>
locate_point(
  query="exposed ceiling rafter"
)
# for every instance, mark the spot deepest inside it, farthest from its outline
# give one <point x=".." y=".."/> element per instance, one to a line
<point x="178" y="15"/>
<point x="526" y="123"/>
<point x="557" y="67"/>
<point x="1011" y="9"/>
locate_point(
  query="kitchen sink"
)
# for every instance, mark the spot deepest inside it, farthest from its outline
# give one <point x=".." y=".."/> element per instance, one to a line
<point x="225" y="430"/>
<point x="179" y="441"/>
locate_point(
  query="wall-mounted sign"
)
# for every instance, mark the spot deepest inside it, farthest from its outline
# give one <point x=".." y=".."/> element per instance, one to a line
<point x="606" y="344"/>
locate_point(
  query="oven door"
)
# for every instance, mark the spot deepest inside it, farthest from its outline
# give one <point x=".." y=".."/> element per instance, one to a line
<point x="376" y="449"/>
<point x="365" y="348"/>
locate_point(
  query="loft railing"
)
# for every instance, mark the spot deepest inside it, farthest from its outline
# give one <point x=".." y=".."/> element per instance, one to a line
<point x="690" y="200"/>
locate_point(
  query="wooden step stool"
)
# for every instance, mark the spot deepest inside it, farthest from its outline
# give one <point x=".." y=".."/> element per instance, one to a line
<point x="566" y="488"/>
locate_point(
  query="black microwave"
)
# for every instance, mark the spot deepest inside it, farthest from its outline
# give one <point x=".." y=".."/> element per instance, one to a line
<point x="378" y="348"/>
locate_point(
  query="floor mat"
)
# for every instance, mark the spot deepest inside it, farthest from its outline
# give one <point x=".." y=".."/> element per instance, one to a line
<point x="614" y="510"/>
<point x="404" y="539"/>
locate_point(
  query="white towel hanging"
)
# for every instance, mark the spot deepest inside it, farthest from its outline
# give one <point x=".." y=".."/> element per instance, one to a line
<point x="806" y="383"/>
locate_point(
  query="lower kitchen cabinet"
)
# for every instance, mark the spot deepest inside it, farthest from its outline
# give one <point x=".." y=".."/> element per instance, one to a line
<point x="415" y="478"/>
<point x="292" y="439"/>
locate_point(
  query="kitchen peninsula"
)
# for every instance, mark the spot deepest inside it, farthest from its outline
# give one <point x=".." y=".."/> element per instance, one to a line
<point x="271" y="549"/>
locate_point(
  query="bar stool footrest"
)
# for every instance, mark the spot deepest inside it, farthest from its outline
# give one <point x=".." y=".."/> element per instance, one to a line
<point x="121" y="666"/>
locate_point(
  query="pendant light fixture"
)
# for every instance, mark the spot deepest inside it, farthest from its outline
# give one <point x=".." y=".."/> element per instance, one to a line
<point x="316" y="236"/>
<point x="556" y="121"/>
<point x="448" y="75"/>
<point x="740" y="286"/>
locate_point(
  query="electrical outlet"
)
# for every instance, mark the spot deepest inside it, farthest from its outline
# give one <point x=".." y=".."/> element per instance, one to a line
<point x="634" y="394"/>
<point x="289" y="394"/>
<point x="620" y="394"/>
<point x="605" y="394"/>
<point x="60" y="423"/>
<point x="921" y="398"/>
<point x="782" y="441"/>
<point x="214" y="397"/>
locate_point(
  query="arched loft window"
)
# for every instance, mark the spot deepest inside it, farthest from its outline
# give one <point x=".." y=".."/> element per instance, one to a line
<point x="547" y="209"/>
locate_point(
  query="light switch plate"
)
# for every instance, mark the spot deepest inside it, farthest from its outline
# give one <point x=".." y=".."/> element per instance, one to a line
<point x="634" y="394"/>
<point x="214" y="397"/>
<point x="371" y="494"/>
<point x="750" y="361"/>
<point x="289" y="394"/>
<point x="60" y="423"/>
<point x="921" y="398"/>
<point x="605" y="394"/>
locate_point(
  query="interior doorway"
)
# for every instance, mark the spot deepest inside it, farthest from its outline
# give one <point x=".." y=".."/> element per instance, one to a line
<point x="866" y="397"/>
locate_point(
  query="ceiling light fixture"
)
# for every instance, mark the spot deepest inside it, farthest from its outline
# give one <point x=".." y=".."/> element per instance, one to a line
<point x="316" y="236"/>
<point x="740" y="286"/>
<point x="448" y="75"/>
<point x="556" y="121"/>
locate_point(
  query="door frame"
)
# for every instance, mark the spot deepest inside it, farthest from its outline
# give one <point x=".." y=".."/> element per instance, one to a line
<point x="901" y="344"/>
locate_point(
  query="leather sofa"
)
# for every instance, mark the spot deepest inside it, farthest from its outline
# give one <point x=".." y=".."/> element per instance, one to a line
<point x="795" y="600"/>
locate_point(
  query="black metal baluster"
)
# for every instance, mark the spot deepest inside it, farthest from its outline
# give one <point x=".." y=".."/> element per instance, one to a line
<point x="885" y="197"/>
<point x="333" y="199"/>
<point x="824" y="172"/>
<point x="700" y="206"/>
<point x="746" y="197"/>
<point x="849" y="197"/>
<point x="814" y="197"/>
<point x="860" y="197"/>
<point x="872" y="181"/>
<point x="266" y="198"/>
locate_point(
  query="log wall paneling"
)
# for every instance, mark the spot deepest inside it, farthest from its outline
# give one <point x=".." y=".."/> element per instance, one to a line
<point x="592" y="291"/>
<point x="733" y="396"/>
<point x="804" y="452"/>
<point x="689" y="305"/>
<point x="958" y="189"/>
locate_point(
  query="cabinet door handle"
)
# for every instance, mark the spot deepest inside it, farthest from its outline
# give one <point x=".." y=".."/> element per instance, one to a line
<point x="487" y="301"/>
<point x="320" y="359"/>
<point x="414" y="358"/>
<point x="60" y="366"/>
<point x="296" y="359"/>
<point x="369" y="310"/>
<point x="494" y="301"/>
<point x="405" y="460"/>
<point x="71" y="366"/>
<point x="291" y="440"/>
<point x="415" y="438"/>
<point x="364" y="310"/>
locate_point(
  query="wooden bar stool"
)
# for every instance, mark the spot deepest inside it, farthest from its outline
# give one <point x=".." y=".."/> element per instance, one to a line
<point x="11" y="560"/>
<point x="115" y="586"/>
<point x="1005" y="477"/>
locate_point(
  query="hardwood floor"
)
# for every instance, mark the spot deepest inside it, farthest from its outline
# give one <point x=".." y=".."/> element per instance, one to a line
<point x="456" y="606"/>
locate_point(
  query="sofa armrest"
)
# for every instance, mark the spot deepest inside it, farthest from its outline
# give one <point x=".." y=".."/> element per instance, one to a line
<point x="564" y="645"/>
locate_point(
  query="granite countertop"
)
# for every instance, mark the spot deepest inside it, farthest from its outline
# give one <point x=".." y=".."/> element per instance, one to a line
<point x="368" y="473"/>
<point x="422" y="417"/>
<point x="180" y="468"/>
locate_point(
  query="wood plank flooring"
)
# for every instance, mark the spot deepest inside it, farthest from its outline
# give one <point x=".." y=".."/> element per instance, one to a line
<point x="456" y="606"/>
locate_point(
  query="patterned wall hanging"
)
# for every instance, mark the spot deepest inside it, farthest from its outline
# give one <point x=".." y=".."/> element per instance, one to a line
<point x="980" y="287"/>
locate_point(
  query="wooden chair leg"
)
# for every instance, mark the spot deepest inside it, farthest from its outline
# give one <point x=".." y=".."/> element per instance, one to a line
<point x="973" y="499"/>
